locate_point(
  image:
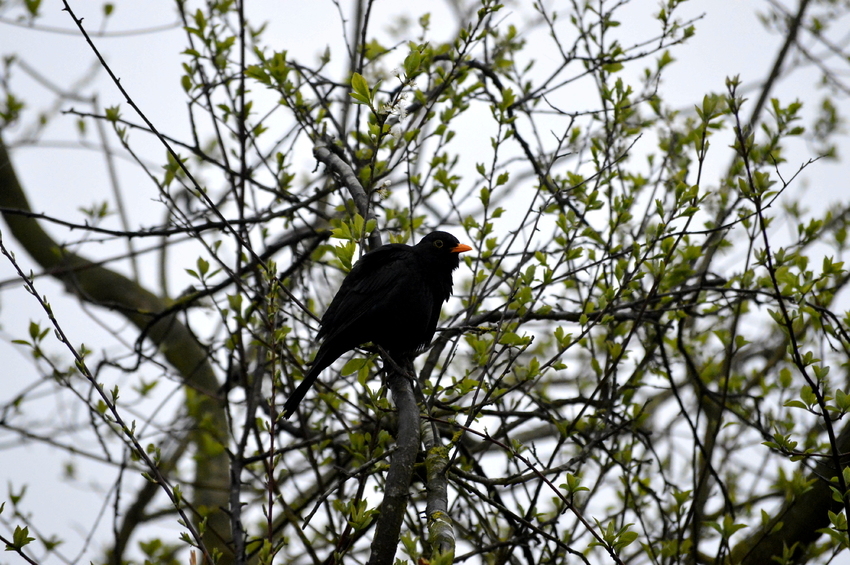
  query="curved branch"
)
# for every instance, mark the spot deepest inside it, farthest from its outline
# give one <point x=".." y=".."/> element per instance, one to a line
<point x="98" y="285"/>
<point x="796" y="525"/>
<point x="343" y="170"/>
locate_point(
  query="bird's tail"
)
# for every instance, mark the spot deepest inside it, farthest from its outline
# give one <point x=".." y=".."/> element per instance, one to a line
<point x="298" y="394"/>
<point x="324" y="358"/>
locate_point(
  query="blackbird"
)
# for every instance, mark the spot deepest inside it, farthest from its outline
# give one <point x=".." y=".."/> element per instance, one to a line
<point x="392" y="297"/>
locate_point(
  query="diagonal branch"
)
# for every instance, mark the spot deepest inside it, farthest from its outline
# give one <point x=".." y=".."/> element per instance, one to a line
<point x="796" y="525"/>
<point x="343" y="170"/>
<point x="98" y="285"/>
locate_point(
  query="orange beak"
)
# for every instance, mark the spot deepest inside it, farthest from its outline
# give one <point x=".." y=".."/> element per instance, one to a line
<point x="460" y="248"/>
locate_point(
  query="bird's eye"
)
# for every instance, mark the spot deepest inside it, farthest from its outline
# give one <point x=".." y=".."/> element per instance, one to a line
<point x="438" y="244"/>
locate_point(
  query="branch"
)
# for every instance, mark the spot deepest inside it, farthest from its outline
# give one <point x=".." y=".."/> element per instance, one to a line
<point x="349" y="180"/>
<point x="397" y="489"/>
<point x="797" y="523"/>
<point x="441" y="534"/>
<point x="790" y="39"/>
<point x="97" y="285"/>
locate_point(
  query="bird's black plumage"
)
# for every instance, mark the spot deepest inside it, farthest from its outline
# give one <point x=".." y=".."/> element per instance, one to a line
<point x="391" y="297"/>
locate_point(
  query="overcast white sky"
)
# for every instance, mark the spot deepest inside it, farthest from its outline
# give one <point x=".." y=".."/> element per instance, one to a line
<point x="729" y="41"/>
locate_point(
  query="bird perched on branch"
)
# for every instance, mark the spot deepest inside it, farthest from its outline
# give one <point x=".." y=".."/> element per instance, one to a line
<point x="392" y="297"/>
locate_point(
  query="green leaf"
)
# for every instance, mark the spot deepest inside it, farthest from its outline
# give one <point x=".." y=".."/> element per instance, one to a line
<point x="411" y="63"/>
<point x="360" y="86"/>
<point x="359" y="98"/>
<point x="32" y="6"/>
<point x="113" y="113"/>
<point x="353" y="365"/>
<point x="203" y="266"/>
<point x="19" y="539"/>
<point x="573" y="484"/>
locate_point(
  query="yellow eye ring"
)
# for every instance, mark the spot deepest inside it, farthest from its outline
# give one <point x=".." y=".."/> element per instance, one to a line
<point x="438" y="244"/>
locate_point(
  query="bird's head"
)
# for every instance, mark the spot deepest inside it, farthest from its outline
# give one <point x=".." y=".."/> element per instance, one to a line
<point x="441" y="247"/>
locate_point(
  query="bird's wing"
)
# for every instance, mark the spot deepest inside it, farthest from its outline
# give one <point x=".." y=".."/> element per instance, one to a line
<point x="374" y="276"/>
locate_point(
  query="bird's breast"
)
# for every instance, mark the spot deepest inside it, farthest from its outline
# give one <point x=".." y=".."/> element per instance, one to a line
<point x="409" y="318"/>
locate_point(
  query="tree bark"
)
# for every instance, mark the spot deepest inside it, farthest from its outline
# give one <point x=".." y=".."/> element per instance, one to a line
<point x="400" y="474"/>
<point x="799" y="519"/>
